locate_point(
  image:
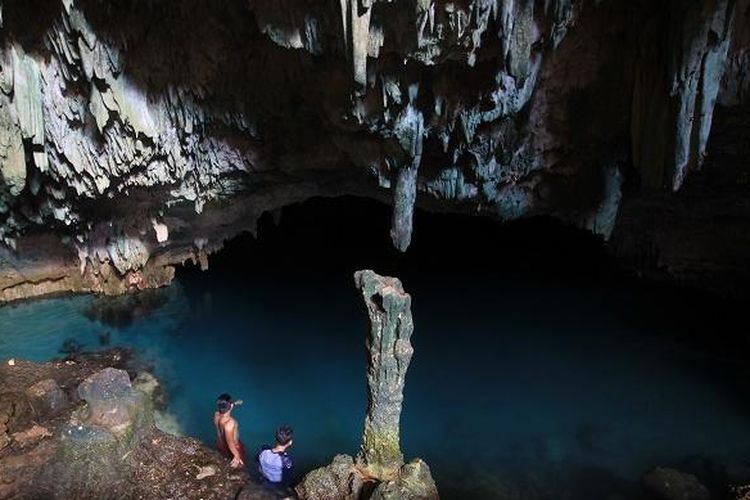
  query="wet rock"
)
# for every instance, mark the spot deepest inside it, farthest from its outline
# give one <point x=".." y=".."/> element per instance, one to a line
<point x="149" y="385"/>
<point x="671" y="484"/>
<point x="414" y="481"/>
<point x="114" y="420"/>
<point x="146" y="383"/>
<point x="338" y="480"/>
<point x="47" y="398"/>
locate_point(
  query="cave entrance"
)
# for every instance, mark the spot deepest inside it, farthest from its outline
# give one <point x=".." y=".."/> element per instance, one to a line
<point x="340" y="235"/>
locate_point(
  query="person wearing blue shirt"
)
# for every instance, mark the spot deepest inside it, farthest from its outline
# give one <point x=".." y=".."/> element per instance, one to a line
<point x="274" y="461"/>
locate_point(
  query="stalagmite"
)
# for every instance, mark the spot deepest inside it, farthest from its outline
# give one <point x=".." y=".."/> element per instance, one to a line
<point x="390" y="353"/>
<point x="380" y="459"/>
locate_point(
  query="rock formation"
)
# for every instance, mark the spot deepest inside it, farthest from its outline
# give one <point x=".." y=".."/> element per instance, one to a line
<point x="379" y="470"/>
<point x="390" y="352"/>
<point x="135" y="135"/>
<point x="694" y="235"/>
<point x="670" y="484"/>
<point x="80" y="429"/>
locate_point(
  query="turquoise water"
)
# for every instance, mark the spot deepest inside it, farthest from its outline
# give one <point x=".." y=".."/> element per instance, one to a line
<point x="539" y="371"/>
<point x="500" y="397"/>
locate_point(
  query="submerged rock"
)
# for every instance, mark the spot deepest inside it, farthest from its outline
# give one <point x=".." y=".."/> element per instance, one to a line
<point x="71" y="347"/>
<point x="121" y="311"/>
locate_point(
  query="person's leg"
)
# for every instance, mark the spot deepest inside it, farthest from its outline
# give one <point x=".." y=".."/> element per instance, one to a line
<point x="222" y="448"/>
<point x="243" y="455"/>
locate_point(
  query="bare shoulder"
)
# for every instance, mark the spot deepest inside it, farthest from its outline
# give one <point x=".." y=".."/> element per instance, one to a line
<point x="230" y="424"/>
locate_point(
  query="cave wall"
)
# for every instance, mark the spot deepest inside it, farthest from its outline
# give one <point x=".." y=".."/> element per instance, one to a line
<point x="137" y="134"/>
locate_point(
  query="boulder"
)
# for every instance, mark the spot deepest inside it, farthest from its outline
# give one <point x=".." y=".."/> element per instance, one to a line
<point x="112" y="401"/>
<point x="414" y="482"/>
<point x="15" y="414"/>
<point x="97" y="441"/>
<point x="47" y="398"/>
<point x="671" y="484"/>
<point x="335" y="481"/>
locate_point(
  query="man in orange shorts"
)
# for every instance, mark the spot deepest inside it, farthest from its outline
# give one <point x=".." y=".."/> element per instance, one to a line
<point x="227" y="431"/>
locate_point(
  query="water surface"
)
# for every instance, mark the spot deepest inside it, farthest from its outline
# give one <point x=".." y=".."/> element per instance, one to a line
<point x="521" y="386"/>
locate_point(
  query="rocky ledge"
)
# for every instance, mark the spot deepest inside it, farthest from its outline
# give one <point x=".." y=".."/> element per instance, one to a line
<point x="84" y="428"/>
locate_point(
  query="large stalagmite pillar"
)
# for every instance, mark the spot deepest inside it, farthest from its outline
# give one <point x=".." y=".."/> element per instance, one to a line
<point x="390" y="352"/>
<point x="379" y="472"/>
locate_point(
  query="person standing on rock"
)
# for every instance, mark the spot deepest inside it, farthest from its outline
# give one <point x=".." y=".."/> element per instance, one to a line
<point x="227" y="431"/>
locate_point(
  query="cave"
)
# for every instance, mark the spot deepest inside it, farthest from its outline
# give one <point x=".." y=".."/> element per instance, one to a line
<point x="544" y="206"/>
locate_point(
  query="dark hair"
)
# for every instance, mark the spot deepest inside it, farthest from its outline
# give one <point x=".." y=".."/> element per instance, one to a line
<point x="284" y="434"/>
<point x="224" y="403"/>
